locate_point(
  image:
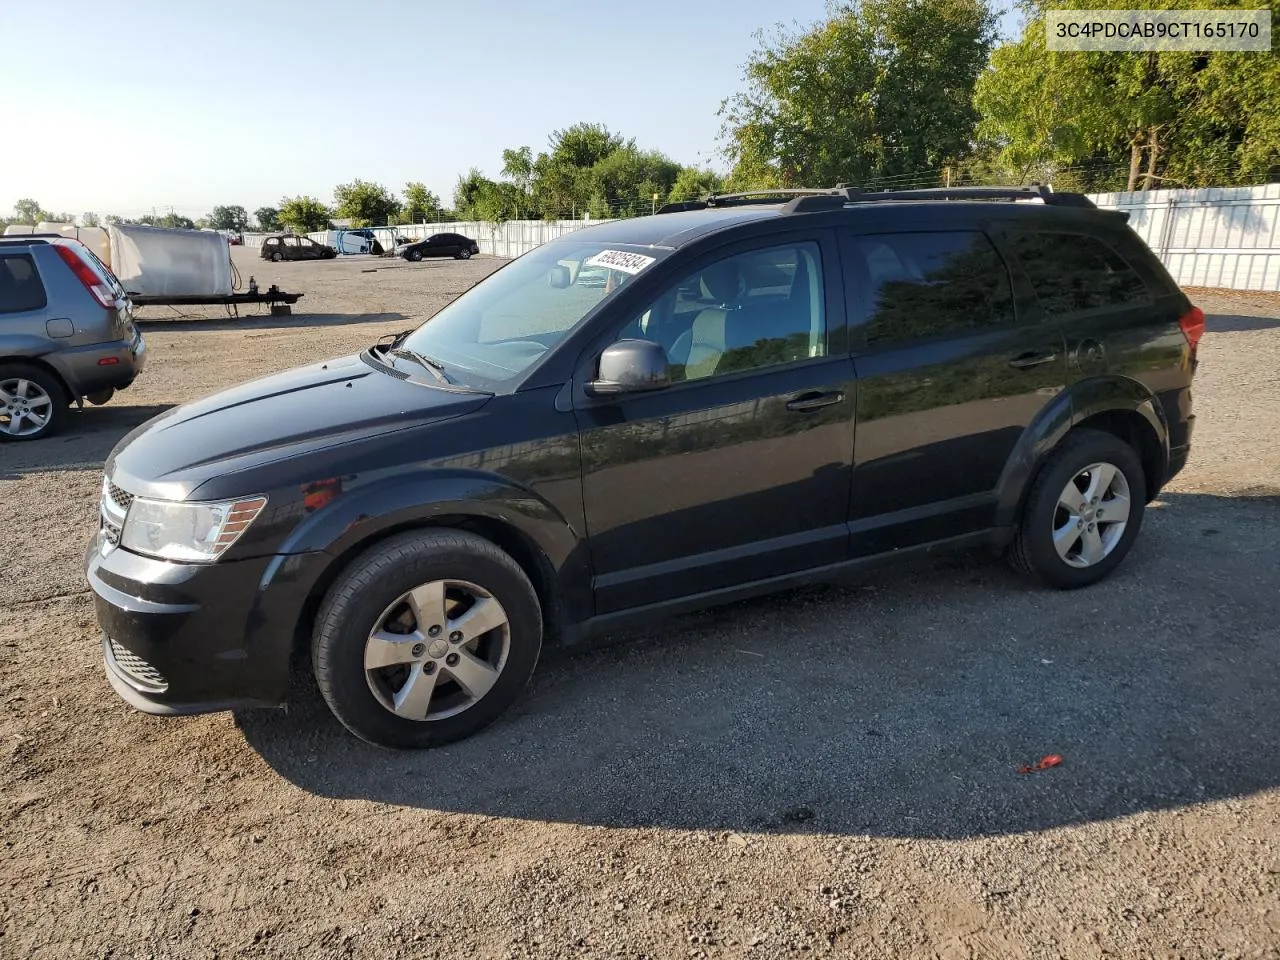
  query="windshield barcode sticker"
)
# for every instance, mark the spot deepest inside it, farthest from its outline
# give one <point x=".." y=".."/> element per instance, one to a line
<point x="631" y="263"/>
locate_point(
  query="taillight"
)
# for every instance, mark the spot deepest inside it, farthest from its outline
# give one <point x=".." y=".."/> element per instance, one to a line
<point x="1192" y="324"/>
<point x="85" y="274"/>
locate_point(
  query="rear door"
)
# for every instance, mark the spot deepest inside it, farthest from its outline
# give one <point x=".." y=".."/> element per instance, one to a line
<point x="951" y="370"/>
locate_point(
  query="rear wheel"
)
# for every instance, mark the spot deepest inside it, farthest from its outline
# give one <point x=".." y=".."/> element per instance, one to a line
<point x="32" y="402"/>
<point x="277" y="257"/>
<point x="426" y="639"/>
<point x="464" y="253"/>
<point x="1082" y="513"/>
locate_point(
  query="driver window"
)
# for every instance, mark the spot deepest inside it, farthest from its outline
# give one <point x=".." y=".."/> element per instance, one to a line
<point x="751" y="310"/>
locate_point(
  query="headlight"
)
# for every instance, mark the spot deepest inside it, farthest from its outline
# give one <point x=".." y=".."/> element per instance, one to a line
<point x="173" y="530"/>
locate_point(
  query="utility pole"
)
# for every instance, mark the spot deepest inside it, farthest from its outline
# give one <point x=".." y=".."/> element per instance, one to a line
<point x="948" y="176"/>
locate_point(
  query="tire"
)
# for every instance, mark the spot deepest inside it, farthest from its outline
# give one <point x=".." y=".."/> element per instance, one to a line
<point x="464" y="254"/>
<point x="28" y="393"/>
<point x="277" y="257"/>
<point x="101" y="397"/>
<point x="363" y="600"/>
<point x="414" y="255"/>
<point x="1092" y="544"/>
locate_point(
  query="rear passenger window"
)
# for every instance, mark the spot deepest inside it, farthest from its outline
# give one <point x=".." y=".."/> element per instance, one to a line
<point x="914" y="285"/>
<point x="20" y="286"/>
<point x="1072" y="272"/>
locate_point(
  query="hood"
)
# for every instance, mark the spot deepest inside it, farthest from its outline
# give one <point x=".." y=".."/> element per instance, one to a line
<point x="274" y="418"/>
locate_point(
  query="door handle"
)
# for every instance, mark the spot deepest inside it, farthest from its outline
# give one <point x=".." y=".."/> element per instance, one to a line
<point x="808" y="402"/>
<point x="1025" y="360"/>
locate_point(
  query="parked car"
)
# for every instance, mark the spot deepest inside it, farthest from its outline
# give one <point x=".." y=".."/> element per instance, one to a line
<point x="441" y="245"/>
<point x="66" y="334"/>
<point x="289" y="247"/>
<point x="759" y="395"/>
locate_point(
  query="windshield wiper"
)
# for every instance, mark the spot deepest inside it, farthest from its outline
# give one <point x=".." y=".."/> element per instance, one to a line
<point x="430" y="363"/>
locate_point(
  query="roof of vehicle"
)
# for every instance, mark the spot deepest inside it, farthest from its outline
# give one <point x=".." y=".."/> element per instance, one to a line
<point x="681" y="223"/>
<point x="42" y="239"/>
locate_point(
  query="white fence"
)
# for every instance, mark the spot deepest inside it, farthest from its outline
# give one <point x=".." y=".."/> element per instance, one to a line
<point x="1216" y="237"/>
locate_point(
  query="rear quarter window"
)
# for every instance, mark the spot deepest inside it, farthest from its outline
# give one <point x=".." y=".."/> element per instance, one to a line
<point x="20" y="286"/>
<point x="1076" y="272"/>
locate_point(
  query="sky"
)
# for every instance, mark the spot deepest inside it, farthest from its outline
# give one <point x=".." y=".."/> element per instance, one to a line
<point x="185" y="104"/>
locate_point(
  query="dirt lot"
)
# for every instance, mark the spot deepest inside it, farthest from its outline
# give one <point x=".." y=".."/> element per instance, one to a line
<point x="832" y="771"/>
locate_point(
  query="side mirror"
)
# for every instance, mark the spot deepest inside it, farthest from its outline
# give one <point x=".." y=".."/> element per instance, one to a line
<point x="559" y="276"/>
<point x="631" y="366"/>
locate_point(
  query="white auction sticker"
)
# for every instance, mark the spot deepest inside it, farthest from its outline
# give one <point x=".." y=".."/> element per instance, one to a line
<point x="631" y="263"/>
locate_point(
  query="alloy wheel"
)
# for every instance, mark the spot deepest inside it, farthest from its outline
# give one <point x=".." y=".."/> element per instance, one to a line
<point x="1092" y="513"/>
<point x="25" y="407"/>
<point x="437" y="650"/>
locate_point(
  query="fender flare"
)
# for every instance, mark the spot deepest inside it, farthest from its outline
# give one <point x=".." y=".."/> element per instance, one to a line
<point x="1070" y="408"/>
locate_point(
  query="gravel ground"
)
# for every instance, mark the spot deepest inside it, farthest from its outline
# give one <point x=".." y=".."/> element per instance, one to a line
<point x="831" y="771"/>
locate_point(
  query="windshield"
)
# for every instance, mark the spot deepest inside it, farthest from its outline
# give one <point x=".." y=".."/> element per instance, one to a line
<point x="500" y="327"/>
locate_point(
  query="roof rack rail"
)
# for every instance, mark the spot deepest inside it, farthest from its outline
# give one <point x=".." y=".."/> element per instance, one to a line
<point x="682" y="205"/>
<point x="808" y="200"/>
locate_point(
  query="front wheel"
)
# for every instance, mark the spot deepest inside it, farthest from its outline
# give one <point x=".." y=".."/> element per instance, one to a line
<point x="426" y="639"/>
<point x="414" y="255"/>
<point x="1082" y="513"/>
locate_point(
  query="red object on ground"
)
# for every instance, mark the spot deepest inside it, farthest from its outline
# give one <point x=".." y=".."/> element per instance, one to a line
<point x="1052" y="760"/>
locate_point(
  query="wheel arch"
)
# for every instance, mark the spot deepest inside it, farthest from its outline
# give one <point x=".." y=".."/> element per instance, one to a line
<point x="541" y="542"/>
<point x="47" y="367"/>
<point x="1117" y="405"/>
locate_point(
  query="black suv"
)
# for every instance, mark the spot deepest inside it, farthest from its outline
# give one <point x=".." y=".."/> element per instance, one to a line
<point x="645" y="417"/>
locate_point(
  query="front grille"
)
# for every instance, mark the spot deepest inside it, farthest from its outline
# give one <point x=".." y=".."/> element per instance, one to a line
<point x="136" y="669"/>
<point x="119" y="497"/>
<point x="111" y="532"/>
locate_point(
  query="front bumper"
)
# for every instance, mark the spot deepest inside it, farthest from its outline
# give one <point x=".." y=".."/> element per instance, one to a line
<point x="182" y="638"/>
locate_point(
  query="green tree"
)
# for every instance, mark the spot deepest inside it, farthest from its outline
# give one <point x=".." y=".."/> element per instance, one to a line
<point x="625" y="181"/>
<point x="365" y="204"/>
<point x="303" y="214"/>
<point x="29" y="212"/>
<point x="879" y="90"/>
<point x="517" y="166"/>
<point x="693" y="183"/>
<point x="268" y="219"/>
<point x="229" y="218"/>
<point x="90" y="219"/>
<point x="476" y="197"/>
<point x="1129" y="120"/>
<point x="171" y="221"/>
<point x="563" y="179"/>
<point x="420" y="204"/>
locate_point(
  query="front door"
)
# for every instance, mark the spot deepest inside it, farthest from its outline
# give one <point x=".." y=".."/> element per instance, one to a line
<point x="950" y="375"/>
<point x="740" y="470"/>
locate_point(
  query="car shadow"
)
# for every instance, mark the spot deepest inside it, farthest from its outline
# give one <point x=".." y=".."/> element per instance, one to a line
<point x="903" y="704"/>
<point x="150" y="319"/>
<point x="1233" y="323"/>
<point x="84" y="443"/>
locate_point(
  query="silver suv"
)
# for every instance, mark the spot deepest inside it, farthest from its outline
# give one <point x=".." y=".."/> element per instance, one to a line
<point x="66" y="334"/>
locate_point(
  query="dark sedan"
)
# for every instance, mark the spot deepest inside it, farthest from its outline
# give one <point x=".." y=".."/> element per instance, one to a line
<point x="295" y="248"/>
<point x="441" y="245"/>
